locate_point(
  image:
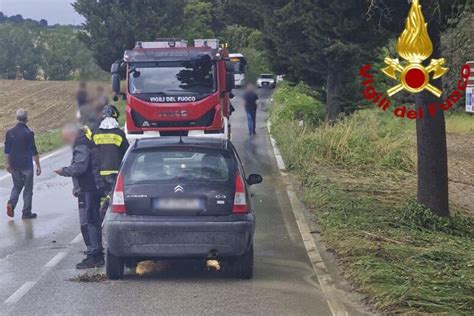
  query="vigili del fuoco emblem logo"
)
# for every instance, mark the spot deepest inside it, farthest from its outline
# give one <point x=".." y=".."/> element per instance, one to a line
<point x="414" y="46"/>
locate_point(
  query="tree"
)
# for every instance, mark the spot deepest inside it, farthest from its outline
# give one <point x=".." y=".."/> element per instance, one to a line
<point x="431" y="131"/>
<point x="19" y="53"/>
<point x="238" y="37"/>
<point x="458" y="48"/>
<point x="112" y="26"/>
<point x="16" y="19"/>
<point x="237" y="12"/>
<point x="320" y="42"/>
<point x="43" y="23"/>
<point x="62" y="52"/>
<point x="197" y="21"/>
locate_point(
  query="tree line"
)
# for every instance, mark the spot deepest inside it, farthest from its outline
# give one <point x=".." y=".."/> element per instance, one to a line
<point x="113" y="26"/>
<point x="18" y="19"/>
<point x="33" y="51"/>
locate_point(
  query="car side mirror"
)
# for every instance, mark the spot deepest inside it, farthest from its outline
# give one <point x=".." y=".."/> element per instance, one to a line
<point x="115" y="68"/>
<point x="116" y="83"/>
<point x="254" y="179"/>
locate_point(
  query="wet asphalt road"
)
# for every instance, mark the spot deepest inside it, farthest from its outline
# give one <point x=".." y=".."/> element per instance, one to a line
<point x="37" y="258"/>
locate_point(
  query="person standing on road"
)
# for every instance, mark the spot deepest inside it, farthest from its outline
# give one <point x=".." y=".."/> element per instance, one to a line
<point x="250" y="100"/>
<point x="101" y="101"/>
<point x="87" y="187"/>
<point x="20" y="151"/>
<point x="82" y="96"/>
<point x="112" y="144"/>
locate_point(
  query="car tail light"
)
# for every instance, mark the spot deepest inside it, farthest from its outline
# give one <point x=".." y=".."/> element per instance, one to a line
<point x="240" y="199"/>
<point x="118" y="198"/>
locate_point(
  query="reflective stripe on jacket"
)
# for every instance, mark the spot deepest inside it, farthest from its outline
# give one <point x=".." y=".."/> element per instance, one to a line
<point x="113" y="145"/>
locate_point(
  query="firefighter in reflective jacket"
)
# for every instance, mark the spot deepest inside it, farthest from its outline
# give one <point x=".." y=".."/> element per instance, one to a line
<point x="113" y="145"/>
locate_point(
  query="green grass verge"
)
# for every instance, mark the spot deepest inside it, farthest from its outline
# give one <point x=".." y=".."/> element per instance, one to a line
<point x="358" y="178"/>
<point x="45" y="142"/>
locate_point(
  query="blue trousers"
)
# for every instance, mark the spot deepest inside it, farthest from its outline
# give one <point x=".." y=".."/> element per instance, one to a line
<point x="252" y="121"/>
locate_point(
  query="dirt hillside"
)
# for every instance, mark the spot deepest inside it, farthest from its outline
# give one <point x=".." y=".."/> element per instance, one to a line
<point x="461" y="170"/>
<point x="49" y="103"/>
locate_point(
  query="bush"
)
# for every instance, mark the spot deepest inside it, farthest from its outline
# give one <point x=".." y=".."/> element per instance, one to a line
<point x="256" y="63"/>
<point x="299" y="103"/>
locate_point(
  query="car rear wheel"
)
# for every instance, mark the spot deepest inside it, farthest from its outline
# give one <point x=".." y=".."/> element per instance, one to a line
<point x="114" y="266"/>
<point x="244" y="265"/>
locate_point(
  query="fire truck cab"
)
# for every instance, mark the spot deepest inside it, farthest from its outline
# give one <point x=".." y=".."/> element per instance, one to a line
<point x="175" y="90"/>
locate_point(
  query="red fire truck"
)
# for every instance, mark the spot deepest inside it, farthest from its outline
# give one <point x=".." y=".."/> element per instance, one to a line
<point x="176" y="90"/>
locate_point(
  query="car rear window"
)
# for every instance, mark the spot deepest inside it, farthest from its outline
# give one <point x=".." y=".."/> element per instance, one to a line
<point x="189" y="165"/>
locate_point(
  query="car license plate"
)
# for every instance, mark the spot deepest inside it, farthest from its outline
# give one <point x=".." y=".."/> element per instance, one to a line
<point x="178" y="204"/>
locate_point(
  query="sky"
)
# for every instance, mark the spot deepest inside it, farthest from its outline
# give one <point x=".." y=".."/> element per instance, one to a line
<point x="55" y="11"/>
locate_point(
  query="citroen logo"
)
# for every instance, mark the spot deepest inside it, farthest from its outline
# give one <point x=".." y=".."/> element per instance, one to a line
<point x="178" y="189"/>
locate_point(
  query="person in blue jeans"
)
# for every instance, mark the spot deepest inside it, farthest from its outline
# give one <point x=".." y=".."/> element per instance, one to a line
<point x="20" y="150"/>
<point x="250" y="100"/>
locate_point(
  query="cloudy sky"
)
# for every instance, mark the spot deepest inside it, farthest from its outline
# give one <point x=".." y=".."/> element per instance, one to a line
<point x="55" y="11"/>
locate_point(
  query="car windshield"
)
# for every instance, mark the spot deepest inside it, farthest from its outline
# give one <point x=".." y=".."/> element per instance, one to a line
<point x="188" y="166"/>
<point x="266" y="76"/>
<point x="172" y="78"/>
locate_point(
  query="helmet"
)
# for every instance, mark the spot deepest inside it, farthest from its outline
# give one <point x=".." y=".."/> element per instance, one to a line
<point x="110" y="111"/>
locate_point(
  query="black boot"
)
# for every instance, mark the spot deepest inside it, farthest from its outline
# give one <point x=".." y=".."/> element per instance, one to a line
<point x="99" y="260"/>
<point x="91" y="262"/>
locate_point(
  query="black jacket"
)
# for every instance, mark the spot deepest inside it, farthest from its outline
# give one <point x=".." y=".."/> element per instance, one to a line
<point x="20" y="146"/>
<point x="112" y="145"/>
<point x="84" y="168"/>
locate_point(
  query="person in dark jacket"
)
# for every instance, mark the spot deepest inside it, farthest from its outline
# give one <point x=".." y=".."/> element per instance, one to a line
<point x="251" y="103"/>
<point x="20" y="150"/>
<point x="84" y="170"/>
<point x="112" y="144"/>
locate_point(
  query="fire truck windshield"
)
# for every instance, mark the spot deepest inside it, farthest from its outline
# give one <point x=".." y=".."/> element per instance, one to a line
<point x="173" y="77"/>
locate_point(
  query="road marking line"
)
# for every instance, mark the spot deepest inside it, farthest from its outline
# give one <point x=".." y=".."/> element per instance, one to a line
<point x="324" y="278"/>
<point x="15" y="297"/>
<point x="276" y="151"/>
<point x="77" y="239"/>
<point x="49" y="156"/>
<point x="18" y="294"/>
<point x="56" y="259"/>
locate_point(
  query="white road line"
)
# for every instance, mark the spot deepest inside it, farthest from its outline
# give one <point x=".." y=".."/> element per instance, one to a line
<point x="27" y="286"/>
<point x="56" y="259"/>
<point x="276" y="151"/>
<point x="324" y="278"/>
<point x="77" y="239"/>
<point x="15" y="297"/>
<point x="44" y="158"/>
